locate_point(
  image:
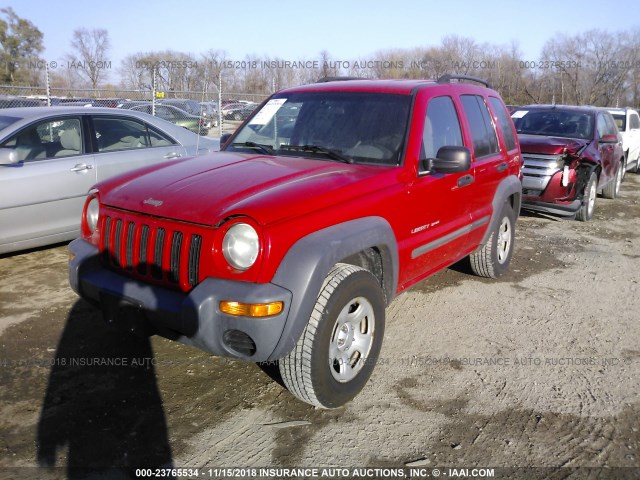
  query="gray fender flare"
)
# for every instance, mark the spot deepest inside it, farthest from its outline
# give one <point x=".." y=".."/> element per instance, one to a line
<point x="510" y="186"/>
<point x="308" y="261"/>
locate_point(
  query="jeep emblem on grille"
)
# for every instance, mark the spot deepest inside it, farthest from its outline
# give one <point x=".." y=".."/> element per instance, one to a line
<point x="151" y="201"/>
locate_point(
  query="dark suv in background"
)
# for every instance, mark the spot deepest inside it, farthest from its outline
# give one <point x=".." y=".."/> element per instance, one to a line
<point x="570" y="154"/>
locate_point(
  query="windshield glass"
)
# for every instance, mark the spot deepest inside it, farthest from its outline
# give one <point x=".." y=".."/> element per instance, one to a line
<point x="5" y="121"/>
<point x="554" y="122"/>
<point x="348" y="126"/>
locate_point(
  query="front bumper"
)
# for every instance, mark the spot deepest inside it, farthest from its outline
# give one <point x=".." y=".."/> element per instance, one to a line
<point x="551" y="190"/>
<point x="192" y="318"/>
<point x="560" y="209"/>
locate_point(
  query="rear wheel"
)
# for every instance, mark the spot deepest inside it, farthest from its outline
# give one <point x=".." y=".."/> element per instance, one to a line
<point x="492" y="259"/>
<point x="589" y="199"/>
<point x="336" y="354"/>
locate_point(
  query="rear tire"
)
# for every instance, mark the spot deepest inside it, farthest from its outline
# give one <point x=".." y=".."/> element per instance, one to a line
<point x="589" y="199"/>
<point x="492" y="259"/>
<point x="336" y="354"/>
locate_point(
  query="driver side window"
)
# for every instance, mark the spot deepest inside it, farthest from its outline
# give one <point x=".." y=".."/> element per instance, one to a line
<point x="441" y="127"/>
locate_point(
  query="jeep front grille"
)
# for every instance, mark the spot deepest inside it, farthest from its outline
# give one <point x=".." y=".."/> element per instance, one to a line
<point x="154" y="250"/>
<point x="538" y="170"/>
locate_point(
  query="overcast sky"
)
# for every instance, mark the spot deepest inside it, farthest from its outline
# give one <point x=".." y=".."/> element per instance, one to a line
<point x="293" y="30"/>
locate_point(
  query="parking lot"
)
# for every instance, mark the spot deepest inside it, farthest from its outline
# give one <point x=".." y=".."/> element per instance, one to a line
<point x="538" y="369"/>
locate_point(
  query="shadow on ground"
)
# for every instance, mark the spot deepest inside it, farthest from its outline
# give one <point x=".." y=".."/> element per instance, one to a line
<point x="102" y="409"/>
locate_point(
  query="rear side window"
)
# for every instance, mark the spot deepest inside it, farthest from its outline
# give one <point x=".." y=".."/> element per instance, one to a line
<point x="505" y="122"/>
<point x="482" y="132"/>
<point x="157" y="138"/>
<point x="441" y="127"/>
<point x="119" y="134"/>
<point x="634" y="121"/>
<point x="114" y="134"/>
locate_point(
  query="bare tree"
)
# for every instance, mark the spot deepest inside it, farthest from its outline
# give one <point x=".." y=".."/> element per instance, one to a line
<point x="595" y="67"/>
<point x="91" y="47"/>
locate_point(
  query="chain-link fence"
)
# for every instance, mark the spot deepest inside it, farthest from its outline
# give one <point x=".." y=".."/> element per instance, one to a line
<point x="205" y="113"/>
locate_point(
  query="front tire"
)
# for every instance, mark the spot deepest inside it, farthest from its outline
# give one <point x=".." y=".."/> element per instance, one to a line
<point x="336" y="354"/>
<point x="492" y="259"/>
<point x="589" y="199"/>
<point x="613" y="187"/>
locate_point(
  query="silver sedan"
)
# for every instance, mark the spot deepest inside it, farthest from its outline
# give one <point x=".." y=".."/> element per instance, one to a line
<point x="50" y="157"/>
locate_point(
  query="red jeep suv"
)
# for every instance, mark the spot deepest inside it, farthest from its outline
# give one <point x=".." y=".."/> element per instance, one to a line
<point x="330" y="200"/>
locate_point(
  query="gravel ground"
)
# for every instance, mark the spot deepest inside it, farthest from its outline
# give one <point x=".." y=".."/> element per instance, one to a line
<point x="538" y="369"/>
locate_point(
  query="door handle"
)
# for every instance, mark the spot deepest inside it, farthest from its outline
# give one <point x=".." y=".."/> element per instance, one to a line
<point x="81" y="167"/>
<point x="465" y="180"/>
<point x="502" y="167"/>
<point x="172" y="155"/>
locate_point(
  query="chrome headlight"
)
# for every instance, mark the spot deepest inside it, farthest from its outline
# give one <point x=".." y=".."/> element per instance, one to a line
<point x="93" y="212"/>
<point x="241" y="246"/>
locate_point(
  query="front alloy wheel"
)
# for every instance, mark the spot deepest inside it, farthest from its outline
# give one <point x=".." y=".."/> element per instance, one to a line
<point x="613" y="187"/>
<point x="589" y="199"/>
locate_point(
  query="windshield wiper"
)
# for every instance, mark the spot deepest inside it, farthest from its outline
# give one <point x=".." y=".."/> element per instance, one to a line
<point x="332" y="154"/>
<point x="268" y="149"/>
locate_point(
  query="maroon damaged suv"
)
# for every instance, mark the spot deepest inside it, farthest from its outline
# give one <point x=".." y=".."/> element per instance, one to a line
<point x="570" y="154"/>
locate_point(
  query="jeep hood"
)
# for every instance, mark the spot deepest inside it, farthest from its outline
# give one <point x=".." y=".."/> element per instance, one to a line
<point x="210" y="188"/>
<point x="550" y="145"/>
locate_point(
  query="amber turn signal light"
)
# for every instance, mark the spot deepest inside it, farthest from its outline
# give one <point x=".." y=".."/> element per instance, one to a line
<point x="251" y="309"/>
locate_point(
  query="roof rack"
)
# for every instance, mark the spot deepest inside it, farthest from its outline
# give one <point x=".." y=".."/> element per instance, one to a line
<point x="338" y="79"/>
<point x="448" y="77"/>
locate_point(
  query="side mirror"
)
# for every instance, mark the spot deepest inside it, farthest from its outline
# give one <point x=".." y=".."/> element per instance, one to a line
<point x="449" y="159"/>
<point x="223" y="139"/>
<point x="8" y="156"/>
<point x="610" y="138"/>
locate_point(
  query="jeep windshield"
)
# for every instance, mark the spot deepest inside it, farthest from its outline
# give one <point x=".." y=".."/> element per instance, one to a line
<point x="554" y="122"/>
<point x="353" y="127"/>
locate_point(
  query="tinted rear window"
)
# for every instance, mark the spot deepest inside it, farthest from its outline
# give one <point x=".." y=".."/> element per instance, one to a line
<point x="482" y="132"/>
<point x="505" y="122"/>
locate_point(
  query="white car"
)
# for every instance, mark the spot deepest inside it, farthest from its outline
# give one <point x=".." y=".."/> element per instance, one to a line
<point x="628" y="122"/>
<point x="50" y="157"/>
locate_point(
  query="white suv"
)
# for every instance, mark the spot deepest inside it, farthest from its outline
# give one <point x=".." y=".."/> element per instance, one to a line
<point x="628" y="123"/>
